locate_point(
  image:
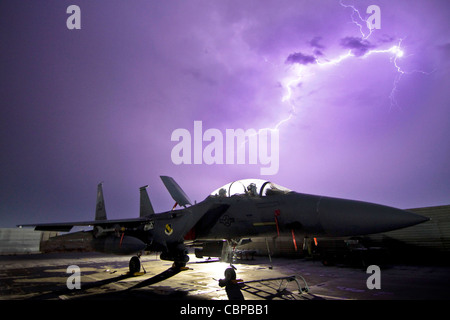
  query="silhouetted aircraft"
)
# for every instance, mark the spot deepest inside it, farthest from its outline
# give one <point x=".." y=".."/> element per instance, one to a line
<point x="238" y="210"/>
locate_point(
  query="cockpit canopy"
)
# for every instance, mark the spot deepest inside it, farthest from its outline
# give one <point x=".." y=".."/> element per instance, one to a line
<point x="249" y="187"/>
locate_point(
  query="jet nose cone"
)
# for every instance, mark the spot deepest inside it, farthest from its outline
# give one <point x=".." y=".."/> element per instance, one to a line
<point x="342" y="217"/>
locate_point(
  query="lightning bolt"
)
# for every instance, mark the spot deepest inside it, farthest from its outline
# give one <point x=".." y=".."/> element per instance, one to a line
<point x="301" y="72"/>
<point x="358" y="20"/>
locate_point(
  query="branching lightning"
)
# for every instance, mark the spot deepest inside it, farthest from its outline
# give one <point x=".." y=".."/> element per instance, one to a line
<point x="300" y="72"/>
<point x="358" y="20"/>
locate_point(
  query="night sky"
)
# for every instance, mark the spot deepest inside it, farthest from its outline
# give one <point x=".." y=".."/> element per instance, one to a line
<point x="361" y="114"/>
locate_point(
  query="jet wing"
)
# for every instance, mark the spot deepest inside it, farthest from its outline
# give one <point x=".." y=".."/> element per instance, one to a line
<point x="67" y="226"/>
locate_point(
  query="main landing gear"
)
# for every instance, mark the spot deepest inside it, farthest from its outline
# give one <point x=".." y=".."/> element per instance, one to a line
<point x="179" y="265"/>
<point x="135" y="264"/>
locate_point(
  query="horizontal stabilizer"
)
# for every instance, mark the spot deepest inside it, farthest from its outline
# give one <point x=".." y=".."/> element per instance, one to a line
<point x="175" y="191"/>
<point x="67" y="226"/>
<point x="60" y="227"/>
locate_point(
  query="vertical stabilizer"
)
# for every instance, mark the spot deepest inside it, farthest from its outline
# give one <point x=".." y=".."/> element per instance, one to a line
<point x="146" y="207"/>
<point x="100" y="211"/>
<point x="175" y="191"/>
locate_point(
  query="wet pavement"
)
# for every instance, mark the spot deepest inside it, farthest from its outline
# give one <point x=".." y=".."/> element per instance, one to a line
<point x="105" y="277"/>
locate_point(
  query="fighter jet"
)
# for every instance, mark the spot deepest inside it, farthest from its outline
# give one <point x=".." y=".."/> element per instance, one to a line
<point x="238" y="210"/>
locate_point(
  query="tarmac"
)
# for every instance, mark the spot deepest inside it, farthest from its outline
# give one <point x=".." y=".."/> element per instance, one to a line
<point x="106" y="277"/>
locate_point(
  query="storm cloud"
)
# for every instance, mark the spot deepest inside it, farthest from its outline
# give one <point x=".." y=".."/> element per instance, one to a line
<point x="318" y="47"/>
<point x="300" y="58"/>
<point x="358" y="46"/>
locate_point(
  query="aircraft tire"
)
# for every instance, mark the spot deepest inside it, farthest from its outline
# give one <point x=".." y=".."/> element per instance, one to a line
<point x="179" y="264"/>
<point x="135" y="265"/>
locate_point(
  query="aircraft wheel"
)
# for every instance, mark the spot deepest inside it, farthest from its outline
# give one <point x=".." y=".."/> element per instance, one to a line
<point x="178" y="265"/>
<point x="135" y="265"/>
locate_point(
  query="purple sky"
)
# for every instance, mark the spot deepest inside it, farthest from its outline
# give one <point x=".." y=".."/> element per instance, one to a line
<point x="100" y="104"/>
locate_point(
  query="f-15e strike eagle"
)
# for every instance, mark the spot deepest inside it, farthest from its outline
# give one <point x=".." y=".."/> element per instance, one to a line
<point x="241" y="209"/>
